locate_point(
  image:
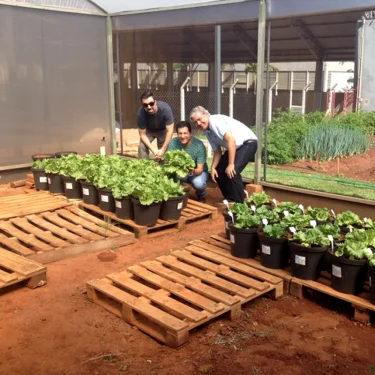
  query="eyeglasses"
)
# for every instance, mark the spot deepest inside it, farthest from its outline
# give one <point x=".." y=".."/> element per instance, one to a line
<point x="146" y="105"/>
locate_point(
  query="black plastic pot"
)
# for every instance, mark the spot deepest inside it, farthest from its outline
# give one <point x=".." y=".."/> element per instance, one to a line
<point x="55" y="183"/>
<point x="64" y="153"/>
<point x="186" y="196"/>
<point x="371" y="272"/>
<point x="72" y="188"/>
<point x="348" y="276"/>
<point x="42" y="156"/>
<point x="40" y="179"/>
<point x="306" y="262"/>
<point x="243" y="242"/>
<point x="106" y="200"/>
<point x="172" y="208"/>
<point x="124" y="208"/>
<point x="146" y="215"/>
<point x="89" y="193"/>
<point x="274" y="252"/>
<point x="227" y="220"/>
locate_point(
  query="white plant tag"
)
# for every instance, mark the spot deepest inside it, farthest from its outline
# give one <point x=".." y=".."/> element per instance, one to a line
<point x="226" y="225"/>
<point x="313" y="223"/>
<point x="253" y="208"/>
<point x="85" y="191"/>
<point x="301" y="207"/>
<point x="350" y="229"/>
<point x="286" y="213"/>
<point x="231" y="215"/>
<point x="232" y="238"/>
<point x="179" y="205"/>
<point x="369" y="252"/>
<point x="265" y="221"/>
<point x="333" y="213"/>
<point x="292" y="229"/>
<point x="43" y="179"/>
<point x="118" y="204"/>
<point x="336" y="271"/>
<point x="49" y="180"/>
<point x="68" y="186"/>
<point x="300" y="260"/>
<point x="331" y="240"/>
<point x="274" y="201"/>
<point x="226" y="203"/>
<point x="104" y="198"/>
<point x="266" y="250"/>
<point x="365" y="219"/>
<point x="246" y="194"/>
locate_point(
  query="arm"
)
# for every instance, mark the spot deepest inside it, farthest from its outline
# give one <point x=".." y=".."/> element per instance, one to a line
<point x="145" y="140"/>
<point x="215" y="162"/>
<point x="198" y="170"/>
<point x="168" y="138"/>
<point x="230" y="171"/>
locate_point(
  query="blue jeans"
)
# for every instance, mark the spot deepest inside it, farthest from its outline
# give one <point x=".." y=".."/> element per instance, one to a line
<point x="199" y="183"/>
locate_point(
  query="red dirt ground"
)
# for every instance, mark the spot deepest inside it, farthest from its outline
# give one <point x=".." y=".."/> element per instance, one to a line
<point x="55" y="330"/>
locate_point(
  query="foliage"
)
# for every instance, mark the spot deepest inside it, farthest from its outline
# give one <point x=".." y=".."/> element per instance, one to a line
<point x="311" y="237"/>
<point x="275" y="231"/>
<point x="70" y="166"/>
<point x="258" y="199"/>
<point x="329" y="230"/>
<point x="247" y="220"/>
<point x="240" y="208"/>
<point x="369" y="224"/>
<point x="321" y="214"/>
<point x="288" y="206"/>
<point x="297" y="221"/>
<point x="39" y="163"/>
<point x="360" y="119"/>
<point x="348" y="219"/>
<point x="264" y="213"/>
<point x="178" y="162"/>
<point x="353" y="250"/>
<point x="362" y="235"/>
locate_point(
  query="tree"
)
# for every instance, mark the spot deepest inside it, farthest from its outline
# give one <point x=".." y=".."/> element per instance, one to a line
<point x="252" y="67"/>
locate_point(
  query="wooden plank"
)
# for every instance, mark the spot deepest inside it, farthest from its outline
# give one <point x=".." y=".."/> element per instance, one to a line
<point x="215" y="243"/>
<point x="150" y="312"/>
<point x="28" y="239"/>
<point x="208" y="252"/>
<point x="53" y="217"/>
<point x="45" y="236"/>
<point x="220" y="270"/>
<point x="205" y="206"/>
<point x="6" y="277"/>
<point x="220" y="239"/>
<point x="61" y="232"/>
<point x="177" y="289"/>
<point x="19" y="264"/>
<point x="15" y="246"/>
<point x="205" y="276"/>
<point x="157" y="296"/>
<point x="192" y="283"/>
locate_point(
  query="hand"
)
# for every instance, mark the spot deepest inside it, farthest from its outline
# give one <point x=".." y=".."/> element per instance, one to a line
<point x="159" y="154"/>
<point x="230" y="171"/>
<point x="214" y="175"/>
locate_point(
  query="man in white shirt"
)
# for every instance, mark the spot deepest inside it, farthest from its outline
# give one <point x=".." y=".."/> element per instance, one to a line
<point x="240" y="144"/>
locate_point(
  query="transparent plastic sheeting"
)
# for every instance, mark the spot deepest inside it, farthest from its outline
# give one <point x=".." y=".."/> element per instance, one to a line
<point x="53" y="83"/>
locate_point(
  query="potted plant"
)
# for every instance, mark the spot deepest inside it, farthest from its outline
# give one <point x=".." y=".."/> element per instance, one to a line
<point x="64" y="153"/>
<point x="259" y="199"/>
<point x="177" y="164"/>
<point x="39" y="173"/>
<point x="289" y="207"/>
<point x="122" y="192"/>
<point x="55" y="181"/>
<point x="307" y="250"/>
<point x="321" y="215"/>
<point x="348" y="220"/>
<point x="171" y="208"/>
<point x="243" y="235"/>
<point x="297" y="221"/>
<point x="270" y="215"/>
<point x="70" y="169"/>
<point x="274" y="248"/>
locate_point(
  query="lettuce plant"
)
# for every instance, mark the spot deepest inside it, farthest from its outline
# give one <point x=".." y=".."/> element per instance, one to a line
<point x="288" y="206"/>
<point x="311" y="237"/>
<point x="321" y="214"/>
<point x="348" y="219"/>
<point x="354" y="250"/>
<point x="275" y="231"/>
<point x="329" y="230"/>
<point x="265" y="213"/>
<point x="258" y="199"/>
<point x="178" y="162"/>
<point x="297" y="221"/>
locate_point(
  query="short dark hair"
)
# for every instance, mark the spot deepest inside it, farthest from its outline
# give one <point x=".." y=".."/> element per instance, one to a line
<point x="183" y="124"/>
<point x="146" y="94"/>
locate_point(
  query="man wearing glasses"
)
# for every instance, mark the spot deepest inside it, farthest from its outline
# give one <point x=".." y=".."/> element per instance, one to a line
<point x="240" y="144"/>
<point x="155" y="120"/>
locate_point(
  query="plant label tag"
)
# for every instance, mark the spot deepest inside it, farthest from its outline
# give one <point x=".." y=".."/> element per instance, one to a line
<point x="246" y="194"/>
<point x="350" y="229"/>
<point x="179" y="205"/>
<point x="226" y="203"/>
<point x="104" y="198"/>
<point x="365" y="219"/>
<point x="43" y="179"/>
<point x="49" y="180"/>
<point x="301" y="207"/>
<point x="265" y="221"/>
<point x="274" y="201"/>
<point x="118" y="204"/>
<point x="266" y="250"/>
<point x="232" y="238"/>
<point x="331" y="240"/>
<point x="333" y="213"/>
<point x="85" y="191"/>
<point x="68" y="186"/>
<point x="231" y="215"/>
<point x="336" y="271"/>
<point x="300" y="260"/>
<point x="286" y="213"/>
<point x="253" y="208"/>
<point x="313" y="223"/>
<point x="226" y="225"/>
<point x="292" y="229"/>
<point x="369" y="252"/>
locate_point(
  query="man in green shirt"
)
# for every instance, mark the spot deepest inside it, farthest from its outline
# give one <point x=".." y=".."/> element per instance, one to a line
<point x="197" y="150"/>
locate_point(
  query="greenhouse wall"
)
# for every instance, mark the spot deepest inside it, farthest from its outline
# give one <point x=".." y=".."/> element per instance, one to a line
<point x="53" y="83"/>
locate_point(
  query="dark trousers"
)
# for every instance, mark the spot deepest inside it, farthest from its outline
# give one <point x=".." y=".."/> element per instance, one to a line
<point x="232" y="188"/>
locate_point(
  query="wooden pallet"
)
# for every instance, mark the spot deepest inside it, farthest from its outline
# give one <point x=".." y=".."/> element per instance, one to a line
<point x="54" y="235"/>
<point x="194" y="211"/>
<point x="175" y="293"/>
<point x="33" y="202"/>
<point x="15" y="269"/>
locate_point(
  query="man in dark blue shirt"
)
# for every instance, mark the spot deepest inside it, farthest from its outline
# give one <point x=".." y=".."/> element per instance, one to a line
<point x="155" y="120"/>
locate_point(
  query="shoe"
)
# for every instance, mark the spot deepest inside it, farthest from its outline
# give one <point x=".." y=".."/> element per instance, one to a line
<point x="202" y="200"/>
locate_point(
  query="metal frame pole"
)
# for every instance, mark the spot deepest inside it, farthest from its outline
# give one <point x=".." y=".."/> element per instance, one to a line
<point x="268" y="100"/>
<point x="231" y="91"/>
<point x="260" y="79"/>
<point x="218" y="69"/>
<point x="182" y="98"/>
<point x="119" y="104"/>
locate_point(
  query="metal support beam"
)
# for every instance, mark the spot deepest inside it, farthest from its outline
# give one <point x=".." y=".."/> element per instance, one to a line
<point x="318" y="87"/>
<point x="218" y="69"/>
<point x="119" y="86"/>
<point x="260" y="79"/>
<point x="170" y="76"/>
<point x="196" y="43"/>
<point x="246" y="40"/>
<point x="312" y="43"/>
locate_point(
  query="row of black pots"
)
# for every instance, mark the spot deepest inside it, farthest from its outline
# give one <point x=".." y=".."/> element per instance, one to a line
<point x="52" y="156"/>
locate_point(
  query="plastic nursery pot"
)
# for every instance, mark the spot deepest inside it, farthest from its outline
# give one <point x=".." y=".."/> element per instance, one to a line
<point x="227" y="220"/>
<point x="89" y="193"/>
<point x="72" y="188"/>
<point x="274" y="252"/>
<point x="124" y="208"/>
<point x="372" y="283"/>
<point x="55" y="183"/>
<point x="106" y="200"/>
<point x="348" y="276"/>
<point x="186" y="196"/>
<point x="243" y="242"/>
<point x="42" y="156"/>
<point x="146" y="215"/>
<point x="64" y="153"/>
<point x="306" y="262"/>
<point x="172" y="208"/>
<point x="40" y="179"/>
